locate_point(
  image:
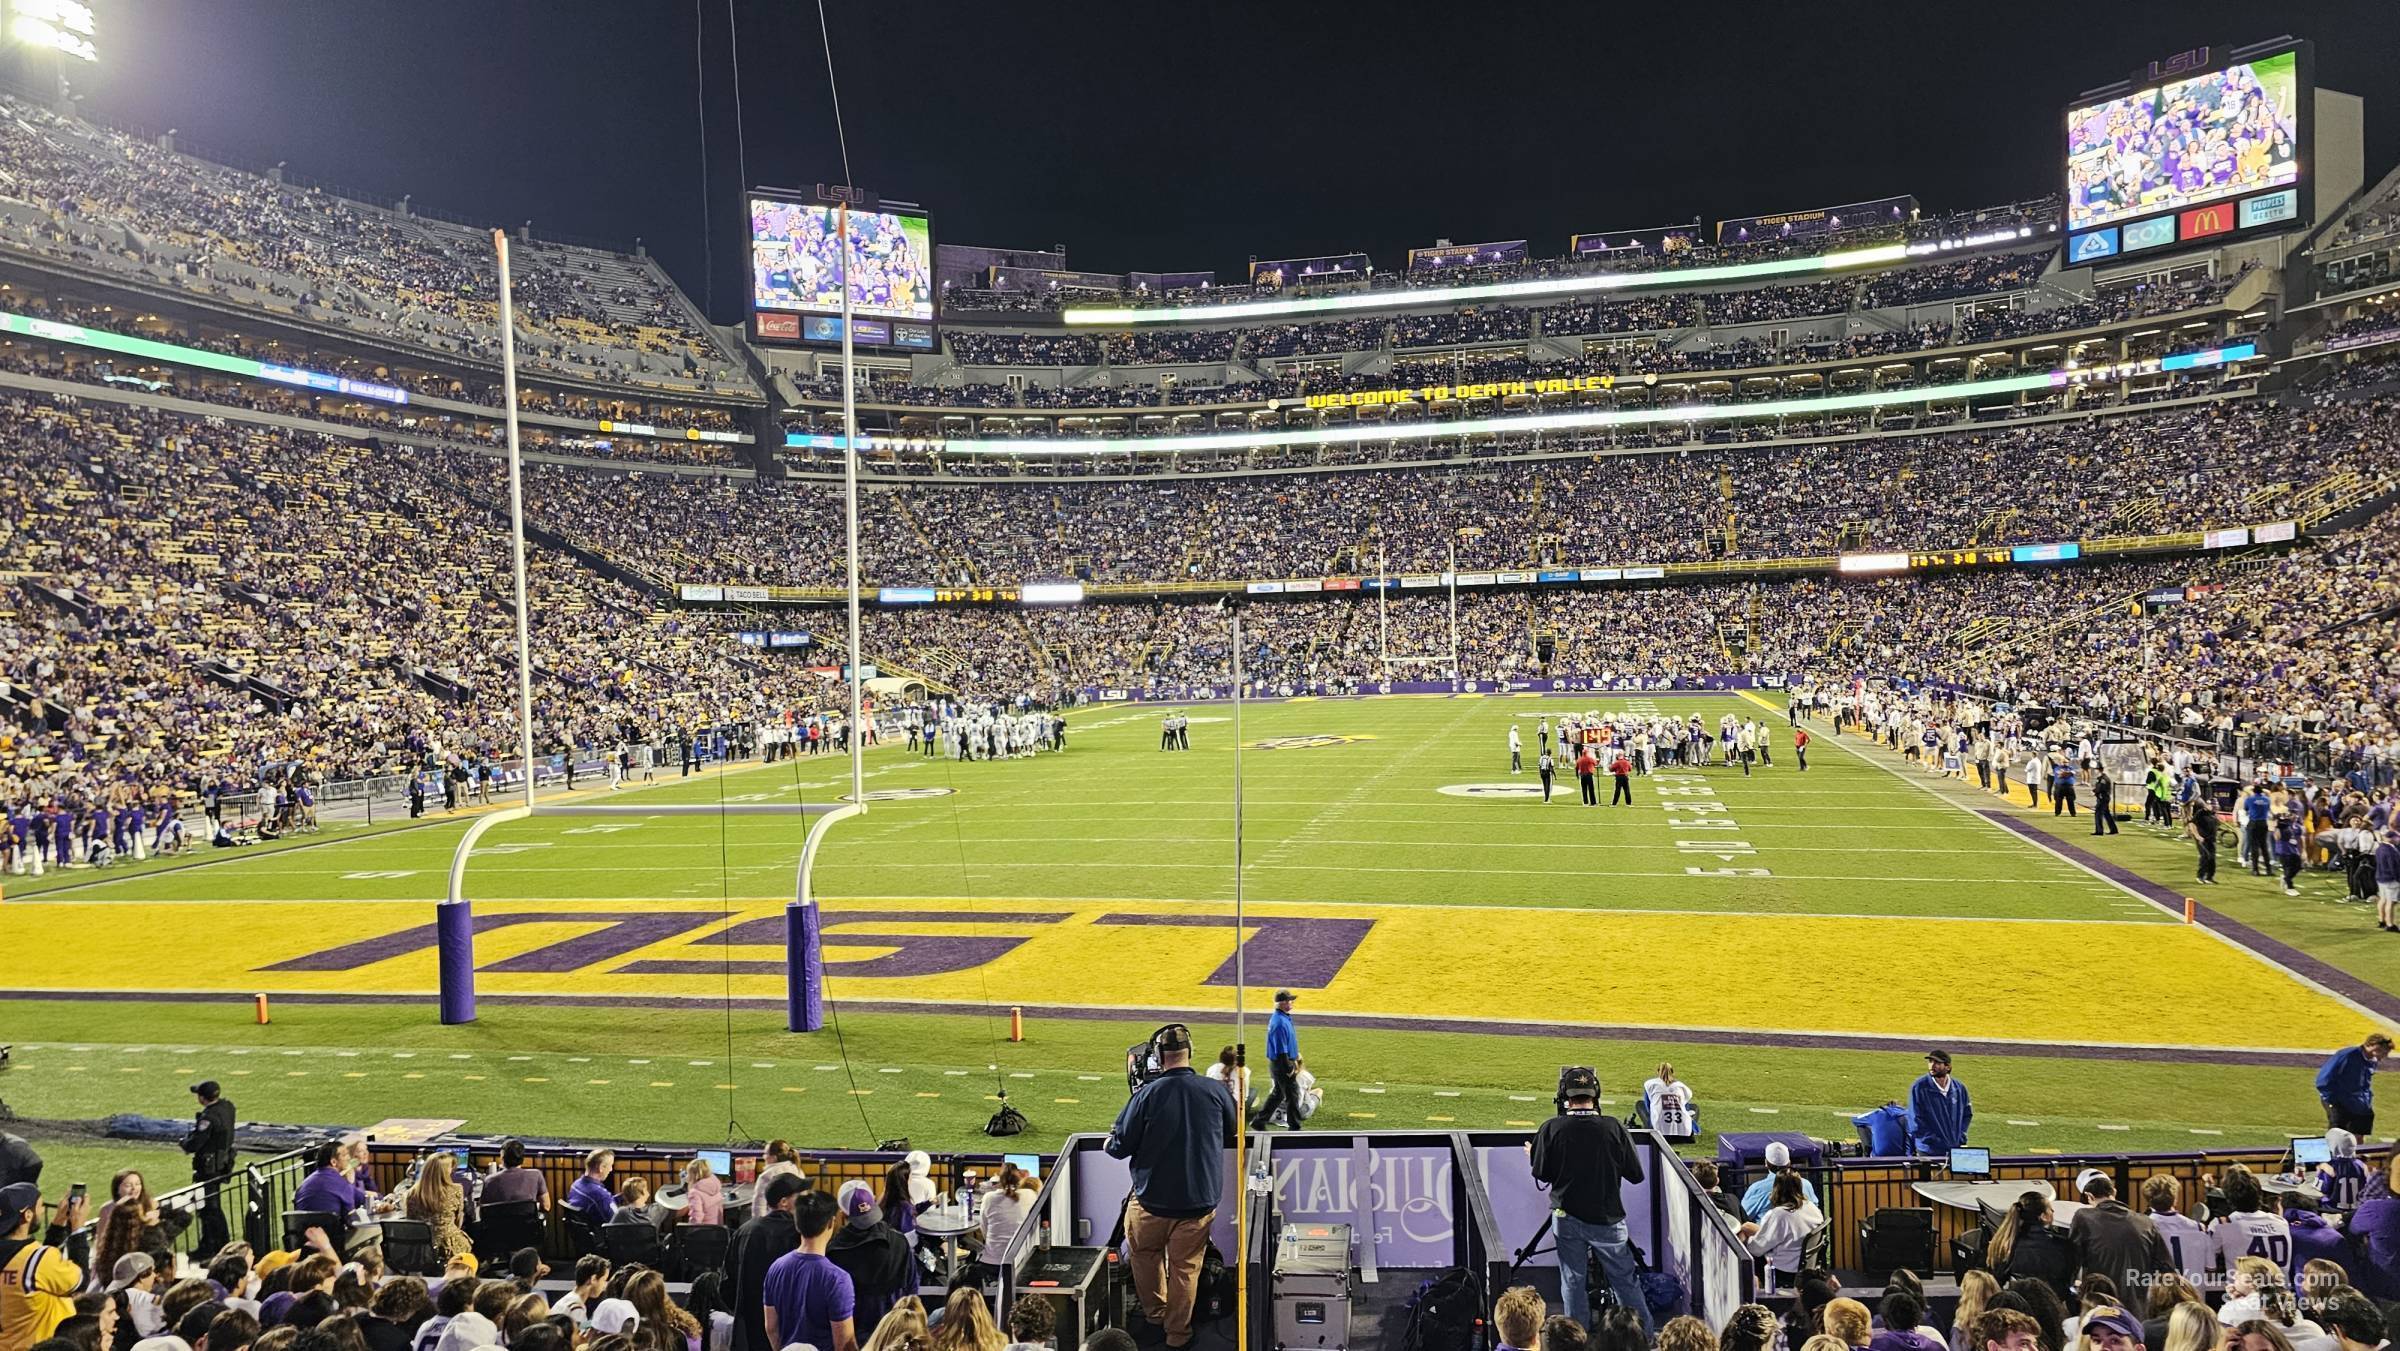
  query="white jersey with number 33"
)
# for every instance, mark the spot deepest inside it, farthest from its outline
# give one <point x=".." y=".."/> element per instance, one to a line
<point x="1670" y="1107"/>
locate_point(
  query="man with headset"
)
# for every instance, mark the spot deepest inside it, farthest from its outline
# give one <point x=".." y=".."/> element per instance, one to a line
<point x="1586" y="1159"/>
<point x="1175" y="1130"/>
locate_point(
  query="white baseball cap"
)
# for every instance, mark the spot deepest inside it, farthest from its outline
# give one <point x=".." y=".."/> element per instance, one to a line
<point x="2085" y="1179"/>
<point x="1779" y="1154"/>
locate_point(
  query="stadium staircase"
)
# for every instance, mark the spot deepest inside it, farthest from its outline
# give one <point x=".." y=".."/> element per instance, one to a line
<point x="1993" y="526"/>
<point x="2133" y="514"/>
<point x="1978" y="631"/>
<point x="2329" y="497"/>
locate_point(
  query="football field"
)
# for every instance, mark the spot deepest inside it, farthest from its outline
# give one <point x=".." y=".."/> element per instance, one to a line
<point x="1792" y="940"/>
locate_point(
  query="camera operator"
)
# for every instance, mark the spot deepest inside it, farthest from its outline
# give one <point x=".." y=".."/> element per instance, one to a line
<point x="1174" y="1131"/>
<point x="1586" y="1159"/>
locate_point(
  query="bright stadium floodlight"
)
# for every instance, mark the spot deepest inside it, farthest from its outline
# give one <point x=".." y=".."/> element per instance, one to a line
<point x="1498" y="290"/>
<point x="62" y="26"/>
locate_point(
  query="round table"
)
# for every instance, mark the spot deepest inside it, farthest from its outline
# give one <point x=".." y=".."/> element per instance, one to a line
<point x="949" y="1224"/>
<point x="1994" y="1198"/>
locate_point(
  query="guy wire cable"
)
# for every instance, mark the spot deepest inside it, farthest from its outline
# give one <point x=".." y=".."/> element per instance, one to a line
<point x="983" y="973"/>
<point x="832" y="1008"/>
<point x="708" y="247"/>
<point x="733" y="1130"/>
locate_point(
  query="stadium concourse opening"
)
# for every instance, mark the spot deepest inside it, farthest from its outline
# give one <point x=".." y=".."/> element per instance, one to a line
<point x="1820" y="742"/>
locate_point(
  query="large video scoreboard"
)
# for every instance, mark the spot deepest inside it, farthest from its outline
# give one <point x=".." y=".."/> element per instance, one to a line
<point x="2216" y="147"/>
<point x="796" y="272"/>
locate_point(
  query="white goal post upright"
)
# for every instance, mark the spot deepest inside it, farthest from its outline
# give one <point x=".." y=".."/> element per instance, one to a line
<point x="454" y="921"/>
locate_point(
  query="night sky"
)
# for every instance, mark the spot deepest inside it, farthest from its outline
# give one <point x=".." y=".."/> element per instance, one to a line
<point x="1171" y="137"/>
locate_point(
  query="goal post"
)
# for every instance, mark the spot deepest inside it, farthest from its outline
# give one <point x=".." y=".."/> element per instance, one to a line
<point x="804" y="970"/>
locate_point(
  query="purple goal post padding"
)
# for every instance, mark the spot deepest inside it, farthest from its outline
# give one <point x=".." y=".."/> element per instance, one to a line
<point x="804" y="968"/>
<point x="454" y="939"/>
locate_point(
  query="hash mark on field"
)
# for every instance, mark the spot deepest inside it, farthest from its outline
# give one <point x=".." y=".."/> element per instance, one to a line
<point x="1019" y="1074"/>
<point x="1087" y="1078"/>
<point x="822" y="1068"/>
<point x="1066" y="1100"/>
<point x="597" y="1083"/>
<point x="1522" y="1097"/>
<point x="1363" y="1116"/>
<point x="2202" y="1130"/>
<point x="662" y="1083"/>
<point x="637" y="1062"/>
<point x="1518" y="1123"/>
<point x="2111" y="1128"/>
<point x="922" y="1093"/>
<point x="2014" y="1122"/>
<point x="891" y="1069"/>
<point x="1767" y="1111"/>
<point x="1441" y="1118"/>
<point x="794" y="1088"/>
<point x="1445" y="1092"/>
<point x="404" y="1055"/>
<point x="472" y="1078"/>
<point x="955" y="1074"/>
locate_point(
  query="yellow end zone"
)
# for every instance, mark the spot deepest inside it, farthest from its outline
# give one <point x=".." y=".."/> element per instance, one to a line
<point x="2038" y="981"/>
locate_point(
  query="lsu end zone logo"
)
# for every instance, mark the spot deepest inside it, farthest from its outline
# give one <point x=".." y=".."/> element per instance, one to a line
<point x="1305" y="743"/>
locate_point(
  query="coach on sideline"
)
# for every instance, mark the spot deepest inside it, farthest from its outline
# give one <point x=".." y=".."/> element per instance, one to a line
<point x="1175" y="1131"/>
<point x="2346" y="1085"/>
<point x="1283" y="1061"/>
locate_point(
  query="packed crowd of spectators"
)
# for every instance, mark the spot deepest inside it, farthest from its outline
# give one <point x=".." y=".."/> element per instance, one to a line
<point x="209" y="599"/>
<point x="93" y="196"/>
<point x="2173" y="469"/>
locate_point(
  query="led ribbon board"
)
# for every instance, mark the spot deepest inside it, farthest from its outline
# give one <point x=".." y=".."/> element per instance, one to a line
<point x="1594" y="420"/>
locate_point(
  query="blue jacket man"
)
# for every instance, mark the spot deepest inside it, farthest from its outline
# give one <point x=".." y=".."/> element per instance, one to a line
<point x="1283" y="1059"/>
<point x="2346" y="1084"/>
<point x="1175" y="1132"/>
<point x="1938" y="1109"/>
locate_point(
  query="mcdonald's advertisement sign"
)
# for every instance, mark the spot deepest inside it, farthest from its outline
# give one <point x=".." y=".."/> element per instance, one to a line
<point x="2214" y="219"/>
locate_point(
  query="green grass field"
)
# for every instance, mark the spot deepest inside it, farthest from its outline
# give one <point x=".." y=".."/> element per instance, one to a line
<point x="1792" y="941"/>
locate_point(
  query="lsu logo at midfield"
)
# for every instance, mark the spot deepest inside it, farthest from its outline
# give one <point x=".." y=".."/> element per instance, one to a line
<point x="1305" y="743"/>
